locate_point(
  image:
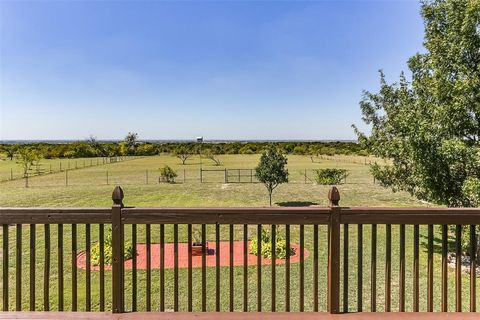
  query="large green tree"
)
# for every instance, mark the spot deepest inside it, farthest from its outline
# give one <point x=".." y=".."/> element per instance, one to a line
<point x="428" y="127"/>
<point x="271" y="170"/>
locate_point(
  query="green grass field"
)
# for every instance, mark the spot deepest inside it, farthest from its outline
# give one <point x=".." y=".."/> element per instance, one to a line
<point x="88" y="188"/>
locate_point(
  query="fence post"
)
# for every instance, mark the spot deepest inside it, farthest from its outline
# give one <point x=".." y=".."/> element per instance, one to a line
<point x="117" y="251"/>
<point x="334" y="252"/>
<point x="201" y="178"/>
<point x="226" y="179"/>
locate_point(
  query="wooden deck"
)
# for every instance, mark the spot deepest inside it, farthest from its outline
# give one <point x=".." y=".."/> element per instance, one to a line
<point x="238" y="316"/>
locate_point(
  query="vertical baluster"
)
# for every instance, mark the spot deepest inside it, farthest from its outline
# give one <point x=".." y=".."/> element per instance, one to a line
<point x="315" y="268"/>
<point x="101" y="240"/>
<point x="32" y="266"/>
<point x="245" y="267"/>
<point x="74" y="267"/>
<point x="401" y="300"/>
<point x="232" y="288"/>
<point x="360" y="269"/>
<point x="148" y="238"/>
<point x="302" y="268"/>
<point x="175" y="267"/>
<point x="444" y="268"/>
<point x="189" y="271"/>
<point x="274" y="258"/>
<point x="416" y="242"/>
<point x="204" y="269"/>
<point x="345" y="268"/>
<point x="134" y="268"/>
<point x="259" y="268"/>
<point x="217" y="267"/>
<point x="162" y="267"/>
<point x="287" y="269"/>
<point x="458" y="268"/>
<point x="388" y="267"/>
<point x="5" y="267"/>
<point x="60" y="266"/>
<point x="430" y="270"/>
<point x="373" y="269"/>
<point x="18" y="265"/>
<point x="46" y="269"/>
<point x="88" y="291"/>
<point x="473" y="268"/>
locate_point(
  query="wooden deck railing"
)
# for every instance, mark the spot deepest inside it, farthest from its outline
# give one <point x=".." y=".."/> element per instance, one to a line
<point x="230" y="285"/>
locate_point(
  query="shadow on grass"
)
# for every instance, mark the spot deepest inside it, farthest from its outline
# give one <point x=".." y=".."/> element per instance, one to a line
<point x="296" y="204"/>
<point x="437" y="243"/>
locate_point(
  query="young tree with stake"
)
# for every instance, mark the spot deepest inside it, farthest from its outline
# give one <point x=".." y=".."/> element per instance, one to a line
<point x="271" y="170"/>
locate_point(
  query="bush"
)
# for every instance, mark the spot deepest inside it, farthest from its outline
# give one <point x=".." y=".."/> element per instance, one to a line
<point x="330" y="176"/>
<point x="167" y="174"/>
<point x="280" y="246"/>
<point x="108" y="251"/>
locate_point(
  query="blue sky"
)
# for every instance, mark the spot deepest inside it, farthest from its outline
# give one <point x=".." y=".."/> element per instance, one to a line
<point x="176" y="70"/>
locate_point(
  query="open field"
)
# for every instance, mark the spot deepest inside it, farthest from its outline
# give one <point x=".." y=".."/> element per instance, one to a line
<point x="88" y="188"/>
<point x="139" y="178"/>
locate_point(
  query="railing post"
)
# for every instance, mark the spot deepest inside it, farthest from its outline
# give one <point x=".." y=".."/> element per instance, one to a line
<point x="334" y="252"/>
<point x="117" y="251"/>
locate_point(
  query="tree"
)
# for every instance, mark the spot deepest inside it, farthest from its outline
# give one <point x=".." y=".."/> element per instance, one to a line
<point x="10" y="150"/>
<point x="131" y="143"/>
<point x="27" y="158"/>
<point x="271" y="170"/>
<point x="428" y="128"/>
<point x="96" y="146"/>
<point x="212" y="154"/>
<point x="183" y="153"/>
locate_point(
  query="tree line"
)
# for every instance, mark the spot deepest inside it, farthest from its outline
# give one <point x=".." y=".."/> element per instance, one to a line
<point x="131" y="145"/>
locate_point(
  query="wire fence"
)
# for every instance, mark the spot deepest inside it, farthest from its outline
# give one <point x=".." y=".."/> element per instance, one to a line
<point x="48" y="167"/>
<point x="132" y="176"/>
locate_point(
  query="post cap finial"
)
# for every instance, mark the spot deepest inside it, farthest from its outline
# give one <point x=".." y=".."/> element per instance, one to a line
<point x="333" y="196"/>
<point x="117" y="195"/>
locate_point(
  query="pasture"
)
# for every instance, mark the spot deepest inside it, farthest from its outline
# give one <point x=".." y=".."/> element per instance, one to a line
<point x="139" y="178"/>
<point x="92" y="186"/>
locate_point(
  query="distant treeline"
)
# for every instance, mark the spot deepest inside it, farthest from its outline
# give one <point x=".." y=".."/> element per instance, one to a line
<point x="94" y="148"/>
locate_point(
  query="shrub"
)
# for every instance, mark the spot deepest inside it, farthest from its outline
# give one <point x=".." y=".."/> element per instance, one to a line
<point x="266" y="247"/>
<point x="330" y="176"/>
<point x="167" y="174"/>
<point x="108" y="251"/>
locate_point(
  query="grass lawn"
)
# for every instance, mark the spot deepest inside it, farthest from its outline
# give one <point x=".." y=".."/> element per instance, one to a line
<point x="139" y="178"/>
<point x="88" y="188"/>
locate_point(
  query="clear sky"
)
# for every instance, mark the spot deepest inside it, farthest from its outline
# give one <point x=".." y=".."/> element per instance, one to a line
<point x="176" y="70"/>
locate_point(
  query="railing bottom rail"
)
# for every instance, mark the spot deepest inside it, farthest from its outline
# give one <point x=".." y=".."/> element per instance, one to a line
<point x="240" y="315"/>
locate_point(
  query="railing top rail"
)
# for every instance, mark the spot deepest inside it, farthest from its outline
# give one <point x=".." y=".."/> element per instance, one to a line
<point x="276" y="215"/>
<point x="314" y="215"/>
<point x="54" y="215"/>
<point x="365" y="215"/>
